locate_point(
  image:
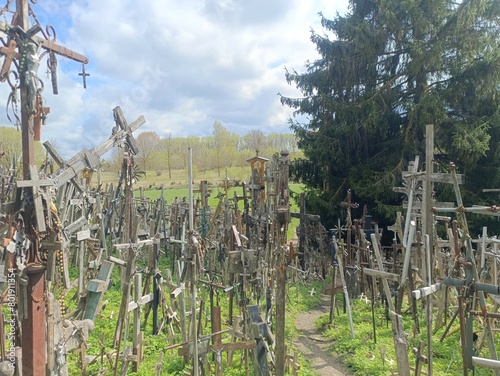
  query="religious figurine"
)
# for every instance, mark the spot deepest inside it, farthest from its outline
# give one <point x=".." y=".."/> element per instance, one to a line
<point x="31" y="76"/>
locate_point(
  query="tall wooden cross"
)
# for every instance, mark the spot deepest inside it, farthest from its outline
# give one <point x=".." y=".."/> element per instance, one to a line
<point x="24" y="38"/>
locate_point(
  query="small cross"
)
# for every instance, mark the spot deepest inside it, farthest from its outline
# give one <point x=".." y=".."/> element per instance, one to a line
<point x="84" y="76"/>
<point x="10" y="54"/>
<point x="39" y="119"/>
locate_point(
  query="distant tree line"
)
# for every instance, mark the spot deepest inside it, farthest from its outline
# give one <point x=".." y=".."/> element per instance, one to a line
<point x="163" y="155"/>
<point x="223" y="148"/>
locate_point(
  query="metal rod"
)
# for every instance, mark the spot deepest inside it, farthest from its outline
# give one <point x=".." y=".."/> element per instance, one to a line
<point x="190" y="185"/>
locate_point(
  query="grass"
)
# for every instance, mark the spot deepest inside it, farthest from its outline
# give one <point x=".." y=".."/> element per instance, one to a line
<point x="365" y="357"/>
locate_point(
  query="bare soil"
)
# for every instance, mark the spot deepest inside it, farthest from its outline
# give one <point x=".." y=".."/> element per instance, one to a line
<point x="314" y="346"/>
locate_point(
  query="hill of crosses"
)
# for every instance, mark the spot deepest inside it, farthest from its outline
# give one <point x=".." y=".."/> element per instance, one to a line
<point x="209" y="281"/>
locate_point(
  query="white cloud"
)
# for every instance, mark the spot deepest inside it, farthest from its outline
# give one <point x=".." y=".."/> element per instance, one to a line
<point x="181" y="64"/>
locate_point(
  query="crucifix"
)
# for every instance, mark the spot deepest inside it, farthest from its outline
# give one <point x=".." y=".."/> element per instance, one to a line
<point x="26" y="60"/>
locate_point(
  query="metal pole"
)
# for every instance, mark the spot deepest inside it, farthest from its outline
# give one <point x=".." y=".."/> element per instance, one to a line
<point x="194" y="326"/>
<point x="194" y="254"/>
<point x="190" y="185"/>
<point x="428" y="308"/>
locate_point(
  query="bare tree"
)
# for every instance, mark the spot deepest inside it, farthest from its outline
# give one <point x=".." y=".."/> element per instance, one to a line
<point x="167" y="148"/>
<point x="147" y="142"/>
<point x="224" y="146"/>
<point x="255" y="140"/>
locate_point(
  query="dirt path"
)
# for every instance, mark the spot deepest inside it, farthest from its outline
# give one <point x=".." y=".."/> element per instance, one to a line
<point x="314" y="346"/>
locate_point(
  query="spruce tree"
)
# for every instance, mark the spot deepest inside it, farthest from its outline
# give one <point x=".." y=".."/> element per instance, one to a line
<point x="386" y="69"/>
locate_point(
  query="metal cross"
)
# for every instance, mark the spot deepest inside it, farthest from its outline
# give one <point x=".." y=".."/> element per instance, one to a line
<point x="84" y="76"/>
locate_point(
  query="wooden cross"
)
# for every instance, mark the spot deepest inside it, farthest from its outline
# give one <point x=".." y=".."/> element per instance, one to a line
<point x="217" y="347"/>
<point x="122" y="123"/>
<point x="135" y="306"/>
<point x="304" y="218"/>
<point x="96" y="288"/>
<point x="84" y="76"/>
<point x="347" y="203"/>
<point x="344" y="287"/>
<point x="10" y="54"/>
<point x="62" y="164"/>
<point x="260" y="333"/>
<point x="90" y="159"/>
<point x="36" y="186"/>
<point x="400" y="341"/>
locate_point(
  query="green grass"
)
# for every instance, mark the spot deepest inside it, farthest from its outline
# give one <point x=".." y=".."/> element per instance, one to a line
<point x="366" y="358"/>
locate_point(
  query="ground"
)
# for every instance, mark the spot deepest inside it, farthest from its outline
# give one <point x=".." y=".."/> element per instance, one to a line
<point x="316" y="347"/>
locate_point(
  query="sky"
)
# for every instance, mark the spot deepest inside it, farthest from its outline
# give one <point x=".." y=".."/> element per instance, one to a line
<point x="180" y="64"/>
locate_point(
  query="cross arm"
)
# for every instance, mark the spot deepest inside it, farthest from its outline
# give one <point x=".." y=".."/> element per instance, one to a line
<point x="49" y="45"/>
<point x="60" y="50"/>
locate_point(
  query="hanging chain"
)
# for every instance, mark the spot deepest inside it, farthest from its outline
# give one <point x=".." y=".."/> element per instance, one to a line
<point x="62" y="302"/>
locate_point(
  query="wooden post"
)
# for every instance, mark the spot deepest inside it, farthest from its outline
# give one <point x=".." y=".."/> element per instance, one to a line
<point x="344" y="287"/>
<point x="259" y="332"/>
<point x="332" y="294"/>
<point x="136" y="337"/>
<point x="400" y="341"/>
<point x="280" y="319"/>
<point x="427" y="215"/>
<point x="216" y="339"/>
<point x="182" y="303"/>
<point x="282" y="219"/>
<point x="428" y="307"/>
<point x="33" y="333"/>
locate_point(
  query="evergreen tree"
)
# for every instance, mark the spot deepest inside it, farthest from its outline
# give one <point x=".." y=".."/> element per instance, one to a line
<point x="386" y="69"/>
